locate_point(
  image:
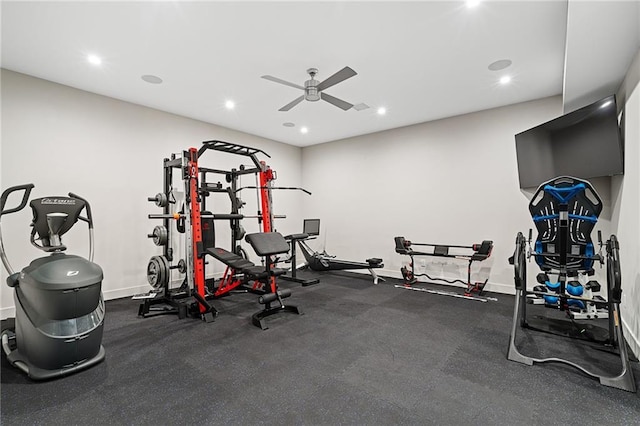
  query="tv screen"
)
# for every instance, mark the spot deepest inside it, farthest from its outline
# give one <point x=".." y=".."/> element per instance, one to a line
<point x="584" y="143"/>
<point x="311" y="226"/>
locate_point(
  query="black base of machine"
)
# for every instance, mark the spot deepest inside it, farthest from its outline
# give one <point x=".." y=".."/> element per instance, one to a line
<point x="293" y="238"/>
<point x="296" y="279"/>
<point x="258" y="319"/>
<point x="20" y="361"/>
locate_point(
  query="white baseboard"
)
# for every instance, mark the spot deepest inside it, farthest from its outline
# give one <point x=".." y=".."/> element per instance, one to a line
<point x="9" y="312"/>
<point x="125" y="292"/>
<point x="391" y="273"/>
<point x="632" y="340"/>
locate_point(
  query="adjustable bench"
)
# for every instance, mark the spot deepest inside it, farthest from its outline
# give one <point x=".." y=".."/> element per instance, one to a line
<point x="239" y="263"/>
<point x="265" y="244"/>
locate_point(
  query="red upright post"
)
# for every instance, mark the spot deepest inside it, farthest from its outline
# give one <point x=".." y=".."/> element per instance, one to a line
<point x="266" y="176"/>
<point x="196" y="228"/>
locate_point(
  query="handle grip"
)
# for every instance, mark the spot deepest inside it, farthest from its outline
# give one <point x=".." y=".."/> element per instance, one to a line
<point x="25" y="197"/>
<point x="87" y="206"/>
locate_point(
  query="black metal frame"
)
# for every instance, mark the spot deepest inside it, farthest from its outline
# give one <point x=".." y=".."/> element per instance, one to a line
<point x="479" y="253"/>
<point x="624" y="380"/>
<point x="200" y="242"/>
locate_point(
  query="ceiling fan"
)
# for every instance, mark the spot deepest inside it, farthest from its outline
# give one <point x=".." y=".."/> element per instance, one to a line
<point x="313" y="89"/>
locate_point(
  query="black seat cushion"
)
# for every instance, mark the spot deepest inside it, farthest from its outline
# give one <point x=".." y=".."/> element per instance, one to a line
<point x="267" y="243"/>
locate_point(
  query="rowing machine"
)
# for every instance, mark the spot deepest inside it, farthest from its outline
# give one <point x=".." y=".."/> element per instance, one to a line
<point x="317" y="261"/>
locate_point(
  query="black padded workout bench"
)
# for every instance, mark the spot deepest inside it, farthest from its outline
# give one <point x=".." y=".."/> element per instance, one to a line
<point x="265" y="244"/>
<point x="249" y="269"/>
<point x="480" y="252"/>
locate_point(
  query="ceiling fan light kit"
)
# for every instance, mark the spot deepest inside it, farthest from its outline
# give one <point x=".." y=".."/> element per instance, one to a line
<point x="313" y="89"/>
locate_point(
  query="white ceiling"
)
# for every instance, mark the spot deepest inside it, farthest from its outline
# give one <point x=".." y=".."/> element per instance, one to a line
<point x="422" y="61"/>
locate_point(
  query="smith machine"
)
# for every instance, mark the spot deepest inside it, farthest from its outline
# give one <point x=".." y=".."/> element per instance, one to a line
<point x="197" y="223"/>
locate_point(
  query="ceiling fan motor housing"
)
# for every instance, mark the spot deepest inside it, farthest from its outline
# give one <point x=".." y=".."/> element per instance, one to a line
<point x="310" y="91"/>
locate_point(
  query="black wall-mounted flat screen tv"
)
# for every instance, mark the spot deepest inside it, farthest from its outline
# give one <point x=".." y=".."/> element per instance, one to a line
<point x="584" y="143"/>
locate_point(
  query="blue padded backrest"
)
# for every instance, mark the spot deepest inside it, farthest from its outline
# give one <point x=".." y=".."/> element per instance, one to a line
<point x="584" y="207"/>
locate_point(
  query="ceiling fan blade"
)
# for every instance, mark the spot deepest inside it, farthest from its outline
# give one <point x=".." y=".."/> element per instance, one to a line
<point x="335" y="101"/>
<point x="341" y="75"/>
<point x="278" y="80"/>
<point x="291" y="104"/>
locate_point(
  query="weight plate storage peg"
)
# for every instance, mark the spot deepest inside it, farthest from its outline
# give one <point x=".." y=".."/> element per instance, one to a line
<point x="160" y="235"/>
<point x="158" y="272"/>
<point x="182" y="266"/>
<point x="160" y="199"/>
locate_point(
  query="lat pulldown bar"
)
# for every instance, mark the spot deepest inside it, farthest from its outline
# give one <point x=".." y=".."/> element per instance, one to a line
<point x="217" y="216"/>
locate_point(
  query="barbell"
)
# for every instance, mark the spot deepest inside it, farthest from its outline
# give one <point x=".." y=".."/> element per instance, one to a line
<point x="216" y="216"/>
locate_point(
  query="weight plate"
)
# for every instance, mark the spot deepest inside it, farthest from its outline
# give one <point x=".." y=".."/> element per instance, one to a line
<point x="153" y="272"/>
<point x="182" y="266"/>
<point x="161" y="199"/>
<point x="158" y="272"/>
<point x="160" y="235"/>
<point x="166" y="271"/>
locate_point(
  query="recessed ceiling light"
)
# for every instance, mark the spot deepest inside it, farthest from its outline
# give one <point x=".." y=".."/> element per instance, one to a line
<point x="94" y="59"/>
<point x="304" y="130"/>
<point x="230" y="104"/>
<point x="151" y="79"/>
<point x="288" y="124"/>
<point x="499" y="65"/>
<point x="472" y="3"/>
<point x="505" y="79"/>
<point x="382" y="111"/>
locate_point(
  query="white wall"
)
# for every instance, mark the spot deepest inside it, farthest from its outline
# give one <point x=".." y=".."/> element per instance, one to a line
<point x="626" y="215"/>
<point x="110" y="152"/>
<point x="452" y="181"/>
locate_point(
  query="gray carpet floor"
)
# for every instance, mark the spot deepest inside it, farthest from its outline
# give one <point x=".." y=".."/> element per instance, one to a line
<point x="360" y="354"/>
